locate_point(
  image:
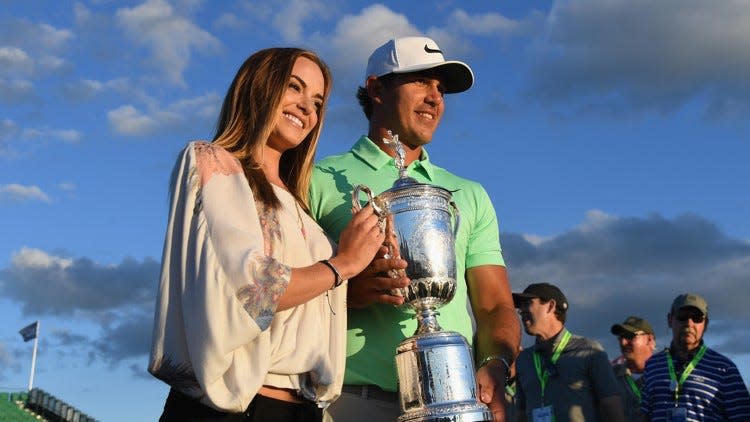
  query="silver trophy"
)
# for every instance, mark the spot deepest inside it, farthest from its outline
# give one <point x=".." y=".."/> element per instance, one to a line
<point x="435" y="368"/>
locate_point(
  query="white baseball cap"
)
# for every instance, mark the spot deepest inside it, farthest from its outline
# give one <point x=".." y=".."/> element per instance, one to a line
<point x="412" y="54"/>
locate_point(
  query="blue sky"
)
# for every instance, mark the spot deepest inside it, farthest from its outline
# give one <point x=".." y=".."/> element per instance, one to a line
<point x="611" y="135"/>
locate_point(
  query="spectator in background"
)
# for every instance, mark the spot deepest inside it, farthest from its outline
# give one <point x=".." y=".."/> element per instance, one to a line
<point x="637" y="344"/>
<point x="562" y="377"/>
<point x="688" y="381"/>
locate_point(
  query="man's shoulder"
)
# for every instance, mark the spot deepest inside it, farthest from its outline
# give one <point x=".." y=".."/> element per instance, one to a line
<point x="585" y="343"/>
<point x="718" y="360"/>
<point x="334" y="160"/>
<point x="656" y="360"/>
<point x="445" y="174"/>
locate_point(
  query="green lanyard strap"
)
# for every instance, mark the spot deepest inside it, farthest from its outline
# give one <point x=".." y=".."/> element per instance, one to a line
<point x="634" y="387"/>
<point x="688" y="369"/>
<point x="543" y="374"/>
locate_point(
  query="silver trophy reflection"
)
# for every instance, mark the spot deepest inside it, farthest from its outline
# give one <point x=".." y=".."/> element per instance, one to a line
<point x="435" y="367"/>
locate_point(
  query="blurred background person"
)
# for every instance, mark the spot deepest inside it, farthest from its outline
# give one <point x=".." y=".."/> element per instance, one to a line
<point x="690" y="381"/>
<point x="562" y="377"/>
<point x="637" y="343"/>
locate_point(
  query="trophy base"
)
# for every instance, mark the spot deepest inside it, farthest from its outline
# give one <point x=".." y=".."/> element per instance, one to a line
<point x="450" y="413"/>
<point x="436" y="379"/>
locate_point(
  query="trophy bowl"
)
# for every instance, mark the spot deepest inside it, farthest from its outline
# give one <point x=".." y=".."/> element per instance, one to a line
<point x="418" y="226"/>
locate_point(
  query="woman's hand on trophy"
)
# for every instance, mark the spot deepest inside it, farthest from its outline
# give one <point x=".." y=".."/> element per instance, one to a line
<point x="359" y="243"/>
<point x="374" y="284"/>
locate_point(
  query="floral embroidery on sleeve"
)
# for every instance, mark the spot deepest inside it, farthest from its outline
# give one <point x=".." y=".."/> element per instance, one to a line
<point x="212" y="159"/>
<point x="270" y="276"/>
<point x="261" y="296"/>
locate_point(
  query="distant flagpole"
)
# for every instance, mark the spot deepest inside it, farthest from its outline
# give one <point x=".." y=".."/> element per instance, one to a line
<point x="33" y="357"/>
<point x="29" y="332"/>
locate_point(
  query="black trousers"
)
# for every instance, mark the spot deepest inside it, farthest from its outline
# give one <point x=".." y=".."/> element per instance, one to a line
<point x="181" y="408"/>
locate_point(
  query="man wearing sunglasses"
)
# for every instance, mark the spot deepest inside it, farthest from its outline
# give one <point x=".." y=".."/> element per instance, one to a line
<point x="637" y="344"/>
<point x="689" y="381"/>
<point x="562" y="377"/>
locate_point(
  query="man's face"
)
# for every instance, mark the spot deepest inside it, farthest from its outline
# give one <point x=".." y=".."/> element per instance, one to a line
<point x="636" y="347"/>
<point x="688" y="325"/>
<point x="534" y="315"/>
<point x="411" y="106"/>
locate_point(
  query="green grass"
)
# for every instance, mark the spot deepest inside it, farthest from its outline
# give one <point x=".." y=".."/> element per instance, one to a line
<point x="11" y="412"/>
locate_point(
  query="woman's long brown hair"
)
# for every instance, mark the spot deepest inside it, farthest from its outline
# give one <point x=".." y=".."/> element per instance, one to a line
<point x="250" y="112"/>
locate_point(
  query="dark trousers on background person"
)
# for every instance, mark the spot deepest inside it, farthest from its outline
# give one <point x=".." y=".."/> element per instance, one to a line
<point x="181" y="408"/>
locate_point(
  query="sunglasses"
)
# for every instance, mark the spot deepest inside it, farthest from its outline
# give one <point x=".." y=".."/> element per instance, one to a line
<point x="697" y="318"/>
<point x="630" y="336"/>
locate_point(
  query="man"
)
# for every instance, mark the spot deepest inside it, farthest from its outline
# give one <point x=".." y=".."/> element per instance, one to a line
<point x="637" y="344"/>
<point x="689" y="381"/>
<point x="562" y="377"/>
<point x="406" y="80"/>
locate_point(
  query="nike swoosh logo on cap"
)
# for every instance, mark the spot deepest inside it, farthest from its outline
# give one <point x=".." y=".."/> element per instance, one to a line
<point x="432" y="50"/>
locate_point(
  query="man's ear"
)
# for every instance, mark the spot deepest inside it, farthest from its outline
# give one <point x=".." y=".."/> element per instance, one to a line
<point x="669" y="320"/>
<point x="374" y="88"/>
<point x="551" y="305"/>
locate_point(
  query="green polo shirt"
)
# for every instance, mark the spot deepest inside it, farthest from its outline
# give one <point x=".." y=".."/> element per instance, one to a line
<point x="374" y="332"/>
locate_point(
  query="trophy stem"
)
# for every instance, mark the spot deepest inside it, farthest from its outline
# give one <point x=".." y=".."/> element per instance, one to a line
<point x="427" y="321"/>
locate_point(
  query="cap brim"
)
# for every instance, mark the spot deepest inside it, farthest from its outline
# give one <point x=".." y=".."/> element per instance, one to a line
<point x="692" y="307"/>
<point x="518" y="297"/>
<point x="457" y="76"/>
<point x="618" y="329"/>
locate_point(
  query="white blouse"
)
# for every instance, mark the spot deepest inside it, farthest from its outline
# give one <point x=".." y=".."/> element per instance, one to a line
<point x="227" y="260"/>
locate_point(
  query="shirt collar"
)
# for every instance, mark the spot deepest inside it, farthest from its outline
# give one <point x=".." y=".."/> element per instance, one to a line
<point x="622" y="370"/>
<point x="376" y="158"/>
<point x="546" y="347"/>
<point x="690" y="355"/>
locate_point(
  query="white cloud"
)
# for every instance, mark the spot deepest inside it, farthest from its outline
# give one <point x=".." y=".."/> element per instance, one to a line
<point x="170" y="37"/>
<point x="356" y="36"/>
<point x="484" y="24"/>
<point x="14" y="192"/>
<point x="50" y="284"/>
<point x="36" y="259"/>
<point x="70" y="136"/>
<point x="291" y="17"/>
<point x="643" y="54"/>
<point x="50" y="38"/>
<point x="610" y="267"/>
<point x="229" y="20"/>
<point x="67" y="186"/>
<point x="130" y="121"/>
<point x="15" y="61"/>
<point x="30" y="47"/>
<point x="127" y="120"/>
<point x="17" y="91"/>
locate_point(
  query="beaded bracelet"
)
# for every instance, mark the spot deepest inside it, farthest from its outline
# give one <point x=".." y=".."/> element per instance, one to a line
<point x="337" y="282"/>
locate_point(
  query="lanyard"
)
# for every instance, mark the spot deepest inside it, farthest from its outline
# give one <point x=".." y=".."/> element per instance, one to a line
<point x="543" y="375"/>
<point x="634" y="387"/>
<point x="688" y="369"/>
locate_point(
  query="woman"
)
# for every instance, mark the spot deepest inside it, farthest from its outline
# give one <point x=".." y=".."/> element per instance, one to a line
<point x="251" y="315"/>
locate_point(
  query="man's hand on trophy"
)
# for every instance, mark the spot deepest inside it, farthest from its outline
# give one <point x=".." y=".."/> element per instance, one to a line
<point x="374" y="284"/>
<point x="491" y="387"/>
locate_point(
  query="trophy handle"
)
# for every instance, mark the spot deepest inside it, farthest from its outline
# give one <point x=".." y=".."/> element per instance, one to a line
<point x="355" y="196"/>
<point x="376" y="205"/>
<point x="457" y="217"/>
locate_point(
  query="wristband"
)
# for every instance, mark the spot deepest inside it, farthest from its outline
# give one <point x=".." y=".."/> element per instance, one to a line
<point x="338" y="280"/>
<point x="501" y="359"/>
